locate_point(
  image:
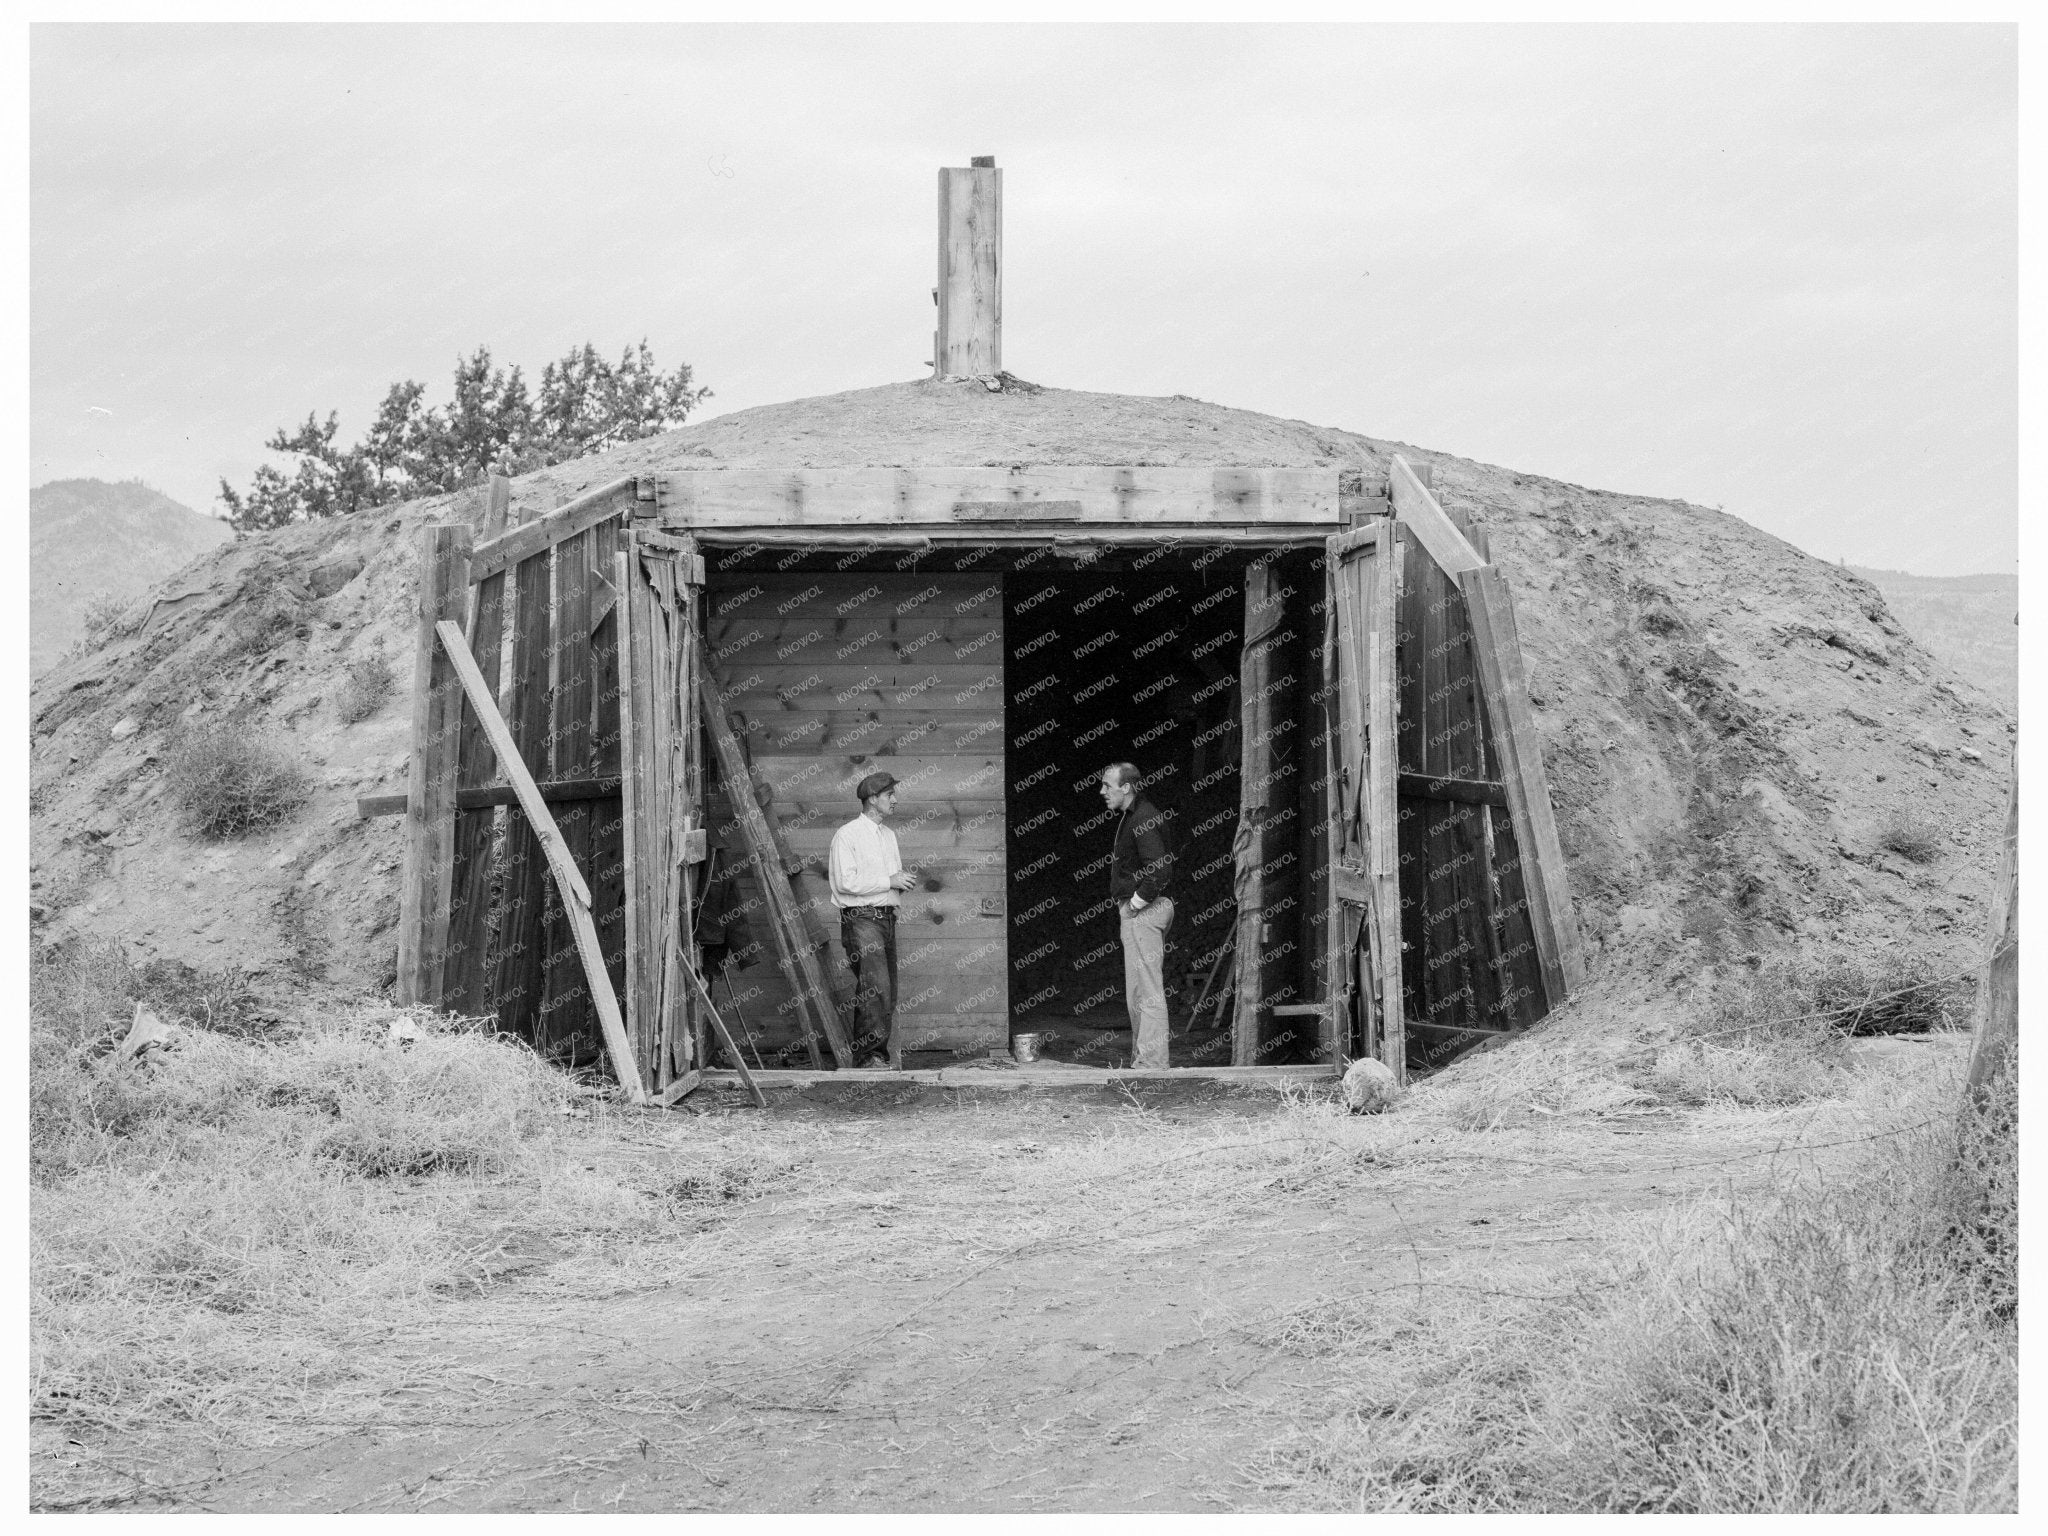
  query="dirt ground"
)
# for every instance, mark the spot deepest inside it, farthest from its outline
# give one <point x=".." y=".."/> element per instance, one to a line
<point x="906" y="1298"/>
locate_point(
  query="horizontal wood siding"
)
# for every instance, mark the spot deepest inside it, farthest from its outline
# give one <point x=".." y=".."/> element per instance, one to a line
<point x="828" y="678"/>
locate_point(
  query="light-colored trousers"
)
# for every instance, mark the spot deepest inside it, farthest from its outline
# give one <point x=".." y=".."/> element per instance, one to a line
<point x="1144" y="939"/>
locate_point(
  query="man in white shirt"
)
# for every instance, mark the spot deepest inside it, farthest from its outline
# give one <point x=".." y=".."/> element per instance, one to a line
<point x="867" y="878"/>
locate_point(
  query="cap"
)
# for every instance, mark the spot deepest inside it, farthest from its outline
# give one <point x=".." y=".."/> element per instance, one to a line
<point x="873" y="785"/>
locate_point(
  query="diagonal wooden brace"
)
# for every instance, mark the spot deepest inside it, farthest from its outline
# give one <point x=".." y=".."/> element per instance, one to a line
<point x="575" y="893"/>
<point x="724" y="1034"/>
<point x="800" y="963"/>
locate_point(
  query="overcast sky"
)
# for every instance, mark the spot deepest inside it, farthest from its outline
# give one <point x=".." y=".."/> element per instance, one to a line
<point x="1771" y="269"/>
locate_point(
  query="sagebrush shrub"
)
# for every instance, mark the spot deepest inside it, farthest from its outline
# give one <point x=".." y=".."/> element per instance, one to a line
<point x="1896" y="992"/>
<point x="229" y="780"/>
<point x="102" y="616"/>
<point x="1910" y="837"/>
<point x="364" y="687"/>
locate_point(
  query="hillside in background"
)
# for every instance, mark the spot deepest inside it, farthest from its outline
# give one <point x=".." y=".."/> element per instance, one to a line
<point x="93" y="538"/>
<point x="1965" y="620"/>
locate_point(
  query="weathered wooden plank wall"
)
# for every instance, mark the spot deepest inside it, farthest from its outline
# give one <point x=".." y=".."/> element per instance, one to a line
<point x="659" y="739"/>
<point x="514" y="952"/>
<point x="519" y="946"/>
<point x="570" y="881"/>
<point x="565" y="1014"/>
<point x="830" y="677"/>
<point x="1469" y="960"/>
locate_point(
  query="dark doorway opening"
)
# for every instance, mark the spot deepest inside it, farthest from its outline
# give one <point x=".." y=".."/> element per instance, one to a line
<point x="1137" y="664"/>
<point x="996" y="683"/>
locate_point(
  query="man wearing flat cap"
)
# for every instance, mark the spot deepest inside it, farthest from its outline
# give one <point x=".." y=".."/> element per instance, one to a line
<point x="867" y="881"/>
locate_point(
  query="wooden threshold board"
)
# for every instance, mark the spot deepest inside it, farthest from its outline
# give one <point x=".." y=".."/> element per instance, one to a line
<point x="1037" y="1075"/>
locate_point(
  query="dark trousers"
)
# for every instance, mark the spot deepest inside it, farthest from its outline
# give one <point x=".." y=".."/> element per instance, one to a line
<point x="868" y="935"/>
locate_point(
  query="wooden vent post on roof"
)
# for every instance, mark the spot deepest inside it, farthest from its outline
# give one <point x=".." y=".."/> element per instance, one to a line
<point x="970" y="292"/>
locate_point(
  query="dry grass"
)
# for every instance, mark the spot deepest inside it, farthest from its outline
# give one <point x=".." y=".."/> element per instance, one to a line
<point x="1518" y="1086"/>
<point x="1831" y="1345"/>
<point x="1791" y="1007"/>
<point x="1912" y="837"/>
<point x="236" y="1228"/>
<point x="102" y="618"/>
<point x="228" y="780"/>
<point x="1774" y="1068"/>
<point x="365" y="685"/>
<point x="249" y="1232"/>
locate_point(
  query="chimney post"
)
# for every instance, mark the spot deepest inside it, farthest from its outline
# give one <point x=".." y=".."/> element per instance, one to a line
<point x="970" y="291"/>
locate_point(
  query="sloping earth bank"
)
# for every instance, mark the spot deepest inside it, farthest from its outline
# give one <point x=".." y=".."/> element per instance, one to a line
<point x="1730" y="726"/>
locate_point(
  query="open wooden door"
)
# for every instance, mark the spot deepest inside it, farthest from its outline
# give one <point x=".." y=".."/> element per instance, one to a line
<point x="660" y="581"/>
<point x="1485" y="916"/>
<point x="1363" y="928"/>
<point x="1448" y="917"/>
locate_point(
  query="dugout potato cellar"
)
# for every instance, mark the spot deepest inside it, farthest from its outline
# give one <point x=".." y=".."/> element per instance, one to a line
<point x="638" y="718"/>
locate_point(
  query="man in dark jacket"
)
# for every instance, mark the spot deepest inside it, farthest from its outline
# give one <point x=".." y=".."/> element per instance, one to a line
<point x="1141" y="880"/>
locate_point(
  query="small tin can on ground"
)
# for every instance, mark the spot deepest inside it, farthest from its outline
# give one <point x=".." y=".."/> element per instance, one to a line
<point x="1025" y="1047"/>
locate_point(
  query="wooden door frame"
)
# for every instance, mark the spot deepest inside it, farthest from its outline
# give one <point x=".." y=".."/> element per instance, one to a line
<point x="1363" y="955"/>
<point x="1024" y="533"/>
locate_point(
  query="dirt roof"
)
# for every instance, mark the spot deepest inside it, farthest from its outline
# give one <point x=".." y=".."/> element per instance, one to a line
<point x="967" y="423"/>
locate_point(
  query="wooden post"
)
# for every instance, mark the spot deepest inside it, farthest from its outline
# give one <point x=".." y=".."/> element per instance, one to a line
<point x="640" y="783"/>
<point x="687" y="816"/>
<point x="1497" y="651"/>
<point x="497" y="503"/>
<point x="1255" y="733"/>
<point x="466" y="978"/>
<point x="970" y="335"/>
<point x="1340" y="936"/>
<point x="1382" y="790"/>
<point x="1365" y="834"/>
<point x="575" y="891"/>
<point x="675" y="730"/>
<point x="429" y="869"/>
<point x="1998" y="985"/>
<point x="607" y="759"/>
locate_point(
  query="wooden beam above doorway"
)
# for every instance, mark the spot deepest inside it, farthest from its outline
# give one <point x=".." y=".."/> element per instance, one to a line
<point x="986" y="496"/>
